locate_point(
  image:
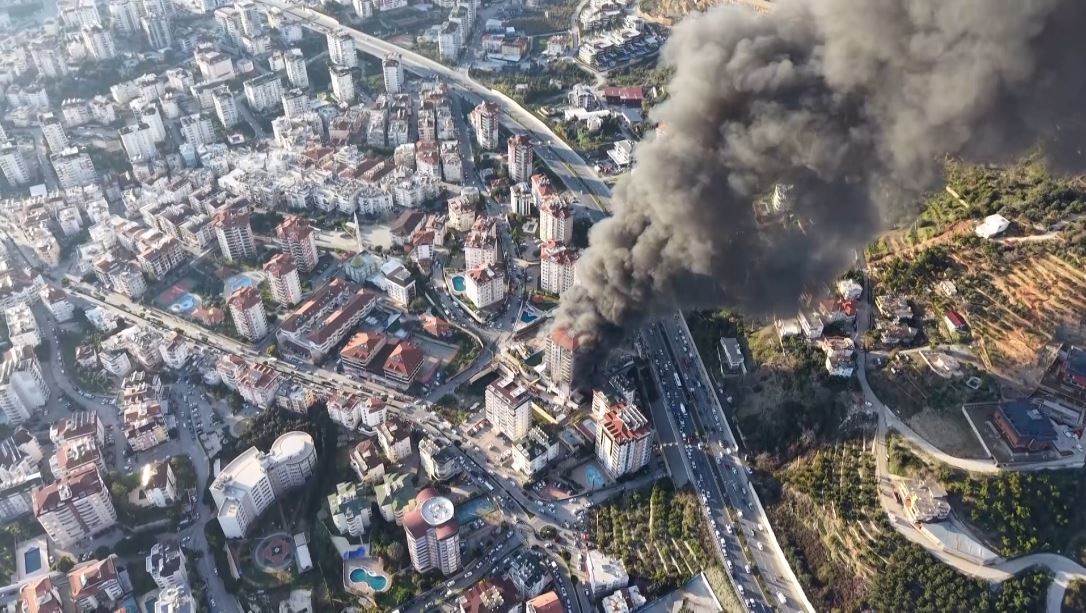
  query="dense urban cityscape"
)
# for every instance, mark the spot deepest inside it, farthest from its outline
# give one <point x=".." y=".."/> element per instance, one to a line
<point x="295" y="294"/>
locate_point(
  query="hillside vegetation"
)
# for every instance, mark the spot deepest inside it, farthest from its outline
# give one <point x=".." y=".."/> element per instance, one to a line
<point x="1019" y="291"/>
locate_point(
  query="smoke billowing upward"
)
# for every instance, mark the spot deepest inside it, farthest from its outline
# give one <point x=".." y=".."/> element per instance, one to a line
<point x="855" y="104"/>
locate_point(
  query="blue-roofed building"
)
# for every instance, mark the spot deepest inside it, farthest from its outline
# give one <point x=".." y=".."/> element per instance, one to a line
<point x="1024" y="427"/>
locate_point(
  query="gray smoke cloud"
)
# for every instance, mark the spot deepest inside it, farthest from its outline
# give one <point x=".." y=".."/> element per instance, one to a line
<point x="855" y="103"/>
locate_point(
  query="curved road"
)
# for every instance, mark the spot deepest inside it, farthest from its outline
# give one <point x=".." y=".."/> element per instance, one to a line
<point x="1064" y="569"/>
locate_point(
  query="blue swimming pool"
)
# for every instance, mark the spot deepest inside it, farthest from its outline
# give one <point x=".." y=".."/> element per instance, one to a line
<point x="238" y="281"/>
<point x="370" y="578"/>
<point x="458" y="283"/>
<point x="32" y="560"/>
<point x="528" y="317"/>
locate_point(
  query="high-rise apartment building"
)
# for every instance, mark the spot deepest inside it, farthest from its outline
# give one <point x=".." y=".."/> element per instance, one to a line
<point x="249" y="484"/>
<point x="556" y="221"/>
<point x="286" y="286"/>
<point x="433" y="534"/>
<point x="298" y="239"/>
<point x="564" y="357"/>
<point x="247" y="310"/>
<point x="557" y="267"/>
<point x="13" y="164"/>
<point x="341" y="49"/>
<point x="520" y="157"/>
<point x="294" y="62"/>
<point x="392" y="69"/>
<point x="226" y="106"/>
<point x="623" y="439"/>
<point x="74" y="507"/>
<point x="234" y="233"/>
<point x="22" y="385"/>
<point x="484" y="121"/>
<point x="342" y="83"/>
<point x="509" y="407"/>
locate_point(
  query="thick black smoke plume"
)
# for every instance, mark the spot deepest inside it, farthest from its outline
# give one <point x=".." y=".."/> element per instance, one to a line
<point x="855" y="104"/>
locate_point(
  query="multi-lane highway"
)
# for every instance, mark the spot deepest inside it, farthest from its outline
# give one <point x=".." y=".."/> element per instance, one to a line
<point x="692" y="419"/>
<point x="566" y="164"/>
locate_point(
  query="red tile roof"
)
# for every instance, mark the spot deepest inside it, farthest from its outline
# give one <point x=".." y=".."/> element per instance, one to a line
<point x="405" y="360"/>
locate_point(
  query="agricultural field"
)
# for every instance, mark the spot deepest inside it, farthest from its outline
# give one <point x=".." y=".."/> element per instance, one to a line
<point x="1019" y="292"/>
<point x="658" y="537"/>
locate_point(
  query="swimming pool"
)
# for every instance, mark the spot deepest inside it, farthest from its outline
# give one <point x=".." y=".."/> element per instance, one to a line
<point x="458" y="283"/>
<point x="594" y="477"/>
<point x="528" y="317"/>
<point x="237" y="282"/>
<point x="185" y="303"/>
<point x="32" y="560"/>
<point x="370" y="578"/>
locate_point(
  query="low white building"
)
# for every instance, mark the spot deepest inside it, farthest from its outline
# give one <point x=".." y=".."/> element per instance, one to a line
<point x="605" y="574"/>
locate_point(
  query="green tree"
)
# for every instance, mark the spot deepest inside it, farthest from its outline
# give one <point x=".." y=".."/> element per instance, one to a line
<point x="65" y="564"/>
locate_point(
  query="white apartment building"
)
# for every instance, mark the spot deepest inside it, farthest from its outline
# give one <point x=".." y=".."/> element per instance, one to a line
<point x="398" y="284"/>
<point x="22" y="327"/>
<point x="52" y="130"/>
<point x="98" y="42"/>
<point x="433" y="534"/>
<point x="342" y="83"/>
<point x="234" y="233"/>
<point x="73" y="168"/>
<point x="139" y="142"/>
<point x="299" y="240"/>
<point x="352" y="411"/>
<point x="481" y="244"/>
<point x="520" y="157"/>
<point x="166" y="565"/>
<point x="392" y="70"/>
<point x="350" y="510"/>
<point x="534" y="452"/>
<point x="214" y="66"/>
<point x="175" y="350"/>
<point x="159" y="484"/>
<point x="556" y="221"/>
<point x="294" y="63"/>
<point x="124" y="16"/>
<point x="286" y="285"/>
<point x="74" y="507"/>
<point x="247" y="310"/>
<point x="58" y="303"/>
<point x="563" y="357"/>
<point x="198" y="129"/>
<point x="116" y="362"/>
<point x="623" y="440"/>
<point x="341" y="49"/>
<point x="295" y="103"/>
<point x="13" y="164"/>
<point x="249" y="484"/>
<point x="22" y="386"/>
<point x="485" y="285"/>
<point x="508" y="406"/>
<point x="484" y="121"/>
<point x="557" y="267"/>
<point x="449" y="41"/>
<point x="264" y="92"/>
<point x="226" y="106"/>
